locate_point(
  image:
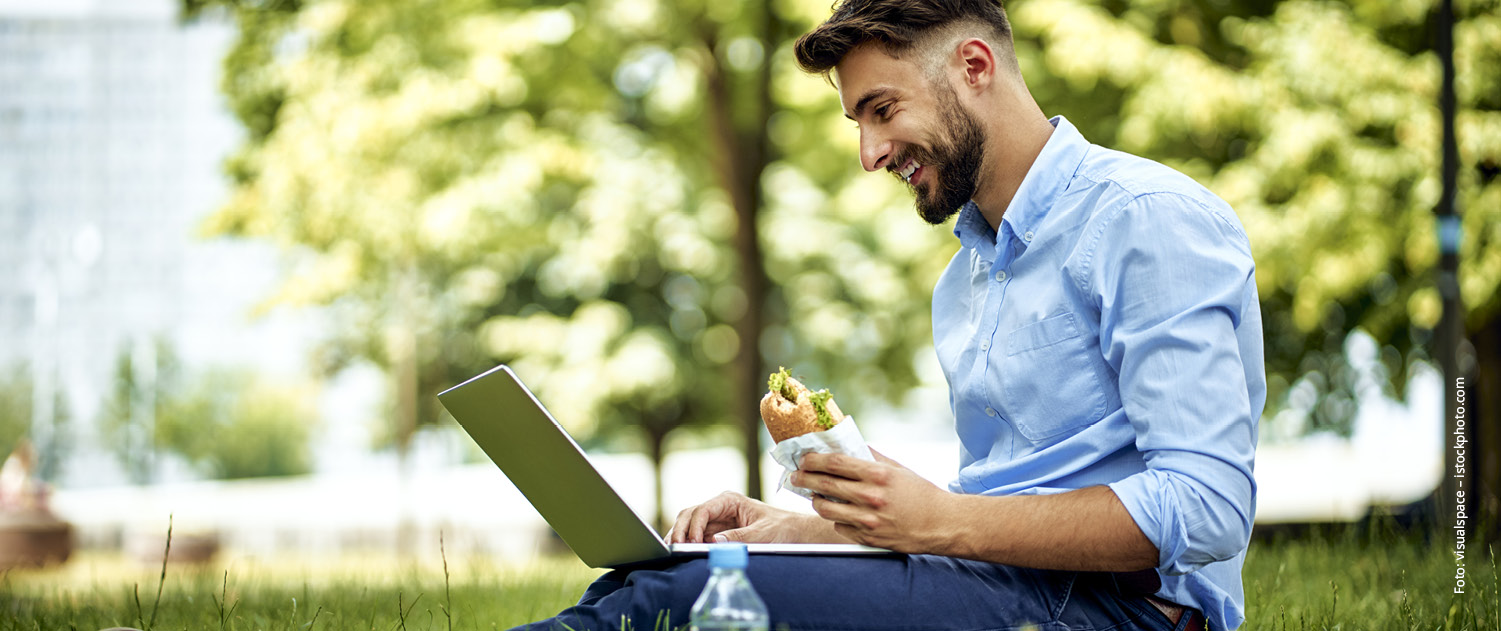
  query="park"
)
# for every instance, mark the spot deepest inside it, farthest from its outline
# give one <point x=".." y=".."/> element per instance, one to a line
<point x="249" y="242"/>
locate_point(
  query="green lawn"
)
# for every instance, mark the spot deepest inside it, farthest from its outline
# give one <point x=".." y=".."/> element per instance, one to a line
<point x="1342" y="581"/>
<point x="1351" y="580"/>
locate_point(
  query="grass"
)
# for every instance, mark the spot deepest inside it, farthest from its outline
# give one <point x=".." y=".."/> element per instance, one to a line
<point x="377" y="592"/>
<point x="1369" y="578"/>
<point x="1351" y="579"/>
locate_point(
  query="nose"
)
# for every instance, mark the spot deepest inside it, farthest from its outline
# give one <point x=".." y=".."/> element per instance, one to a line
<point x="875" y="149"/>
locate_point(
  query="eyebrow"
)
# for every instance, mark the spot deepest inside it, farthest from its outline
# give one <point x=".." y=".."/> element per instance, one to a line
<point x="865" y="100"/>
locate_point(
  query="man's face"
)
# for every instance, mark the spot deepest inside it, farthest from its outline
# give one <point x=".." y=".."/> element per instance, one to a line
<point x="913" y="127"/>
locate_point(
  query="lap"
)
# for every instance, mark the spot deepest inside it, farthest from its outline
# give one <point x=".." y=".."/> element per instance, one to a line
<point x="906" y="593"/>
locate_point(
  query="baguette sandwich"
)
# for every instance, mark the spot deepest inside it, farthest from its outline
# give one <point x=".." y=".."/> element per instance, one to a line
<point x="790" y="409"/>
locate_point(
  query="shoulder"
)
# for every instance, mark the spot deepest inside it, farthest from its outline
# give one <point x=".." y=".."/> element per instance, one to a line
<point x="1111" y="184"/>
<point x="1131" y="210"/>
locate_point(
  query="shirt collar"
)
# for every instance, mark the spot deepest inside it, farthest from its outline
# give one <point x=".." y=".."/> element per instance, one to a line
<point x="972" y="229"/>
<point x="1044" y="182"/>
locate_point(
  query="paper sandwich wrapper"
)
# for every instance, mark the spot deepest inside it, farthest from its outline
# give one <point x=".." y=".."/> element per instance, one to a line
<point x="843" y="438"/>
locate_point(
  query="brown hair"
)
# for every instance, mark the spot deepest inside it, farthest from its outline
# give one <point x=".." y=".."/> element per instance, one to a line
<point x="895" y="25"/>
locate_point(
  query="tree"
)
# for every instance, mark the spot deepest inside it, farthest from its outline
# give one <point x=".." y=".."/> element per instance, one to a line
<point x="146" y="373"/>
<point x="646" y="206"/>
<point x="576" y="190"/>
<point x="225" y="423"/>
<point x="1318" y="122"/>
<point x="232" y="424"/>
<point x="15" y="409"/>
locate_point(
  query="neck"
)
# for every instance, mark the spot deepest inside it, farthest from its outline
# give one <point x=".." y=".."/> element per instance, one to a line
<point x="1017" y="134"/>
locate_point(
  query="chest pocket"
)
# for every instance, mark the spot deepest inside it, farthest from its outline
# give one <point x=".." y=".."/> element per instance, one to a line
<point x="1051" y="379"/>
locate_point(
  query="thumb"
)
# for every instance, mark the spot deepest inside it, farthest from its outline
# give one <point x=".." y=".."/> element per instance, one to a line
<point x="736" y="534"/>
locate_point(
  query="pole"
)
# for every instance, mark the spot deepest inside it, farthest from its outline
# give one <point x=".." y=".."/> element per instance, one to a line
<point x="1450" y="334"/>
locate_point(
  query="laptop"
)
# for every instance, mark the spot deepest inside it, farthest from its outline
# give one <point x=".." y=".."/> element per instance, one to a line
<point x="547" y="466"/>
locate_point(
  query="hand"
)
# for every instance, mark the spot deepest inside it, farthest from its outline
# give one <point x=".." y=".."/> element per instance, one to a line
<point x="731" y="516"/>
<point x="888" y="506"/>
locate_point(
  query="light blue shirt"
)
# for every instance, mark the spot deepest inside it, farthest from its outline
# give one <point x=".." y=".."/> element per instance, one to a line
<point x="1110" y="334"/>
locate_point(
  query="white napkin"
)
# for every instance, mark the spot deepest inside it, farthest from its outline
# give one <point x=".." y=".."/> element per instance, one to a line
<point x="843" y="438"/>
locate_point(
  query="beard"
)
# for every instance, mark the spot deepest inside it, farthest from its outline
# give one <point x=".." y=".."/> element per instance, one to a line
<point x="957" y="158"/>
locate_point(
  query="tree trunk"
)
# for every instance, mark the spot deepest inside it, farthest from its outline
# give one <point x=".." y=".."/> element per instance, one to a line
<point x="1483" y="415"/>
<point x="656" y="439"/>
<point x="403" y="346"/>
<point x="741" y="157"/>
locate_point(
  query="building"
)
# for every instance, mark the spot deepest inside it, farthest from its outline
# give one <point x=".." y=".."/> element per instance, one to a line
<point x="112" y="136"/>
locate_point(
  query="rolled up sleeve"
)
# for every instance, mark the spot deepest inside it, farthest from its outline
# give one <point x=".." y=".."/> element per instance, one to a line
<point x="1173" y="279"/>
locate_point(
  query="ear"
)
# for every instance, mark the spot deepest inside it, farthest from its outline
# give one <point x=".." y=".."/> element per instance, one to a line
<point x="977" y="64"/>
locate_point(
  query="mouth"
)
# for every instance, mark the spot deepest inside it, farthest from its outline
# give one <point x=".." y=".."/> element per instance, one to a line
<point x="908" y="171"/>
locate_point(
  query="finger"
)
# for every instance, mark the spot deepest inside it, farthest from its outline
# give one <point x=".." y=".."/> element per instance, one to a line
<point x="697" y="523"/>
<point x="839" y="513"/>
<point x="680" y="527"/>
<point x="734" y="534"/>
<point x="836" y="464"/>
<point x="880" y="457"/>
<point x="850" y="532"/>
<point x="826" y="485"/>
<point x="710" y="511"/>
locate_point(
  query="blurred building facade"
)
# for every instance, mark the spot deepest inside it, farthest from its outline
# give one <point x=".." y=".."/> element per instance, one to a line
<point x="112" y="139"/>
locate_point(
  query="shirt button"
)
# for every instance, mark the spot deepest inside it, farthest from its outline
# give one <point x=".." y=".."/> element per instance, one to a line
<point x="1027" y="237"/>
<point x="990" y="412"/>
<point x="985" y="345"/>
<point x="1000" y="276"/>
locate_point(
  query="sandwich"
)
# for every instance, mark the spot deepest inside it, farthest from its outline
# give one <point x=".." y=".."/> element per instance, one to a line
<point x="790" y="409"/>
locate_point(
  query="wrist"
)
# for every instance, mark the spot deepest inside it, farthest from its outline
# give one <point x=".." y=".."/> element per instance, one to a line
<point x="948" y="534"/>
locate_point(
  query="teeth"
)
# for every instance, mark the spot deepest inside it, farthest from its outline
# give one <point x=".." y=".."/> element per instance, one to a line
<point x="907" y="172"/>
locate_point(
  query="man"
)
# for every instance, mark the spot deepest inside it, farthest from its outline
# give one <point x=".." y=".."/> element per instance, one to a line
<point x="1101" y="335"/>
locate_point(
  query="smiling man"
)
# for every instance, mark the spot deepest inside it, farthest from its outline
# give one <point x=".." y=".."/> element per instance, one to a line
<point x="1101" y="336"/>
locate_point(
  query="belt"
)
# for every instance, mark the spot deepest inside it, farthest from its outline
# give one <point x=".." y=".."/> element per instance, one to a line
<point x="1177" y="613"/>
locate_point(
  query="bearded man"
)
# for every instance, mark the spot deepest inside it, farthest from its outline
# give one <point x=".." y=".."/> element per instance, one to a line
<point x="1101" y="335"/>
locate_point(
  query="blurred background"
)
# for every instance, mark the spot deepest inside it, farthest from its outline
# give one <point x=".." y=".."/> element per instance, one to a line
<point x="243" y="243"/>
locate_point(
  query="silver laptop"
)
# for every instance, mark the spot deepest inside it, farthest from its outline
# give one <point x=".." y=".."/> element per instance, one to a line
<point x="545" y="463"/>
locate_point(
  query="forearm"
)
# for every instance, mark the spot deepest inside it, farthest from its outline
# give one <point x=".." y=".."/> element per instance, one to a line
<point x="1085" y="530"/>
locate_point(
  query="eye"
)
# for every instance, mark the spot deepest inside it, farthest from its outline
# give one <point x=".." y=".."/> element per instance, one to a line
<point x="883" y="112"/>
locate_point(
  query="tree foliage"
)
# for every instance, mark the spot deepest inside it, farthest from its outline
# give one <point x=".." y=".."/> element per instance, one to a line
<point x="225" y="423"/>
<point x="560" y="186"/>
<point x="569" y="189"/>
<point x="1318" y="121"/>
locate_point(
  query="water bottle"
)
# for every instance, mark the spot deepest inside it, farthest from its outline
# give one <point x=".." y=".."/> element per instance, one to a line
<point x="728" y="602"/>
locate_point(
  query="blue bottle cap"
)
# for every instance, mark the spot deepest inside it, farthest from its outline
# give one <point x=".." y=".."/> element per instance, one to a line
<point x="728" y="555"/>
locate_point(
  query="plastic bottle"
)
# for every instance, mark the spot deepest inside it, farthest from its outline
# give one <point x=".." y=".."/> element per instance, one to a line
<point x="728" y="602"/>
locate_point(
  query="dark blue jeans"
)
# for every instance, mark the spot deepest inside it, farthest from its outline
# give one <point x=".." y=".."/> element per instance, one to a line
<point x="889" y="593"/>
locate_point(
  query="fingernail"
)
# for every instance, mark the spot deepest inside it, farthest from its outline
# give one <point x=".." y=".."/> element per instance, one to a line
<point x="721" y="539"/>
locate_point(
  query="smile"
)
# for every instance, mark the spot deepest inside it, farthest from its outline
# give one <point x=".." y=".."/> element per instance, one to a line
<point x="908" y="170"/>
